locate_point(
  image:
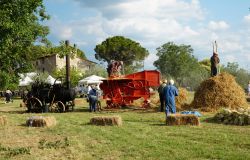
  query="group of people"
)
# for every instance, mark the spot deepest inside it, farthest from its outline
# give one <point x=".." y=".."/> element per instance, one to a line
<point x="167" y="93"/>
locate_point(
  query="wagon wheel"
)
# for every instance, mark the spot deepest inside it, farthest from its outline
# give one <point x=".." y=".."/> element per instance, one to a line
<point x="57" y="107"/>
<point x="34" y="105"/>
<point x="138" y="84"/>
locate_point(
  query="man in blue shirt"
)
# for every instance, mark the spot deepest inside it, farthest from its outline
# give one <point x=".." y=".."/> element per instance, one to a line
<point x="93" y="98"/>
<point x="170" y="92"/>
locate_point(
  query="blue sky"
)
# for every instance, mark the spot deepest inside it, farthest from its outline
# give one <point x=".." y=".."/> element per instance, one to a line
<point x="154" y="22"/>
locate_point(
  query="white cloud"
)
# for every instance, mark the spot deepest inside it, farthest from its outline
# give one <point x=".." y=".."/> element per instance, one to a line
<point x="59" y="30"/>
<point x="247" y="18"/>
<point x="229" y="58"/>
<point x="153" y="23"/>
<point x="66" y="33"/>
<point x="220" y="25"/>
<point x="142" y="8"/>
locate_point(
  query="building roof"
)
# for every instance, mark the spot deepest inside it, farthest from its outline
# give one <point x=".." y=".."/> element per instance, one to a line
<point x="46" y="56"/>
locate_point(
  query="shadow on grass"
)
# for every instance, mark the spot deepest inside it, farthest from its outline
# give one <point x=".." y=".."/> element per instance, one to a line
<point x="23" y="125"/>
<point x="13" y="112"/>
<point x="158" y="124"/>
<point x="143" y="121"/>
<point x="81" y="110"/>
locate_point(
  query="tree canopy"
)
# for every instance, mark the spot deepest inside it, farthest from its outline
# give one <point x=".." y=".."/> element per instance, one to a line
<point x="20" y="28"/>
<point x="38" y="51"/>
<point x="241" y="75"/>
<point x="177" y="62"/>
<point x="75" y="75"/>
<point x="122" y="49"/>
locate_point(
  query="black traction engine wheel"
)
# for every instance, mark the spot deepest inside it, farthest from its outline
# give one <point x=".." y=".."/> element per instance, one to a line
<point x="34" y="105"/>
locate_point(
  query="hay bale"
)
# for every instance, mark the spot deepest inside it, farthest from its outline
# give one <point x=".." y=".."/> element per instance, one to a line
<point x="181" y="99"/>
<point x="22" y="105"/>
<point x="106" y="120"/>
<point x="182" y="119"/>
<point x="3" y="120"/>
<point x="217" y="92"/>
<point x="41" y="121"/>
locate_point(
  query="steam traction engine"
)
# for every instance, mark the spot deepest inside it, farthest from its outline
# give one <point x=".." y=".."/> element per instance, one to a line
<point x="52" y="98"/>
<point x="123" y="90"/>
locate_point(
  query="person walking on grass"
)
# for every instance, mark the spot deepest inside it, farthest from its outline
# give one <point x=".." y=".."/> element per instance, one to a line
<point x="8" y="95"/>
<point x="161" y="94"/>
<point x="170" y="92"/>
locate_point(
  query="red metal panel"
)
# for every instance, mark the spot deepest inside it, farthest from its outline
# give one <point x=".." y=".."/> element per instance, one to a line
<point x="152" y="76"/>
<point x="124" y="90"/>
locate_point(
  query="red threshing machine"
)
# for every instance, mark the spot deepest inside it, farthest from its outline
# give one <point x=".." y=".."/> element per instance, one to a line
<point x="123" y="90"/>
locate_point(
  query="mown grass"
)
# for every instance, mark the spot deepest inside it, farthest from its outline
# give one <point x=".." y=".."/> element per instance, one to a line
<point x="142" y="136"/>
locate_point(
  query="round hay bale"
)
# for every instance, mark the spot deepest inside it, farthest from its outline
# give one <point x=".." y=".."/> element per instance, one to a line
<point x="217" y="92"/>
<point x="41" y="121"/>
<point x="3" y="120"/>
<point x="106" y="120"/>
<point x="182" y="119"/>
<point x="181" y="99"/>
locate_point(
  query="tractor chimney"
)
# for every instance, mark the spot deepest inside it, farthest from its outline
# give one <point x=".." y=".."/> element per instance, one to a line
<point x="67" y="66"/>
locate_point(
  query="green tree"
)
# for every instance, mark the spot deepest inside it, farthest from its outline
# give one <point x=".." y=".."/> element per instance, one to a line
<point x="75" y="75"/>
<point x="241" y="75"/>
<point x="97" y="70"/>
<point x="63" y="50"/>
<point x="122" y="49"/>
<point x="38" y="51"/>
<point x="178" y="62"/>
<point x="205" y="63"/>
<point x="20" y="27"/>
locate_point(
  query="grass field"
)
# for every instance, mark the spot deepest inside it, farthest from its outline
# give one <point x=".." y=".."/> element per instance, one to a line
<point x="142" y="136"/>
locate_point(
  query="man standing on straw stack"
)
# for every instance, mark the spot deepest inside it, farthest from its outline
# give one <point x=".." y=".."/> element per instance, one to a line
<point x="170" y="92"/>
<point x="214" y="61"/>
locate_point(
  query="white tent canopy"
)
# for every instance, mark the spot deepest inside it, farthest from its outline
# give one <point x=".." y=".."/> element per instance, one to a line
<point x="51" y="80"/>
<point x="92" y="80"/>
<point x="26" y="79"/>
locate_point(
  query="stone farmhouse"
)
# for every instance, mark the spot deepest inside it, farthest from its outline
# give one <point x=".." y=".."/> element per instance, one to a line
<point x="51" y="62"/>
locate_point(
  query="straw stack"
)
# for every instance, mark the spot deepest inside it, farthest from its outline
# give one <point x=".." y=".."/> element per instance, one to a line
<point x="181" y="99"/>
<point x="218" y="92"/>
<point x="41" y="121"/>
<point x="182" y="119"/>
<point x="106" y="120"/>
